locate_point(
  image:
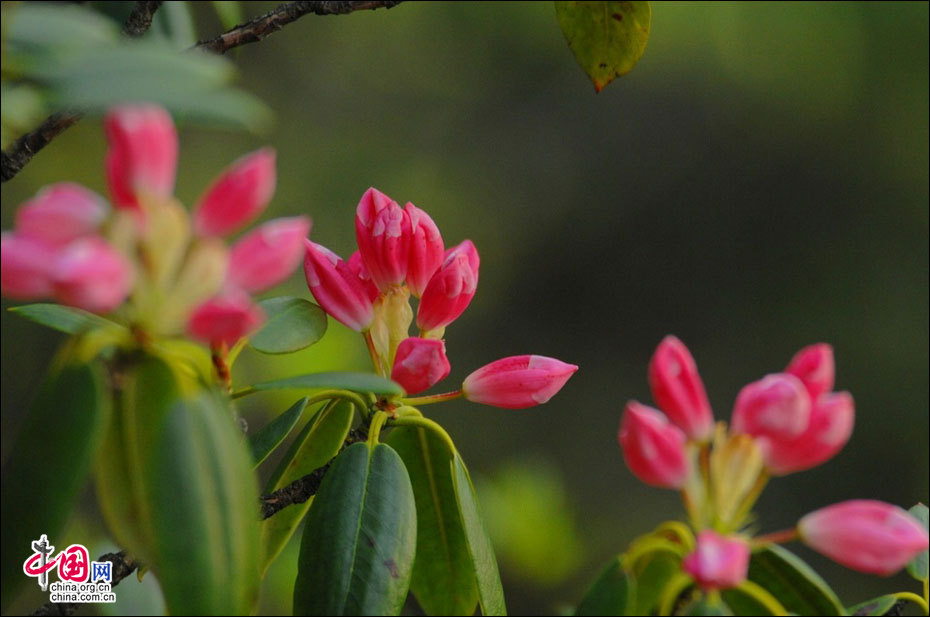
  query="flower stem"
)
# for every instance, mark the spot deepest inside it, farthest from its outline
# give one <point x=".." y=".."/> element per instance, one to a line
<point x="763" y="597"/>
<point x="373" y="353"/>
<point x="778" y="537"/>
<point x="374" y="430"/>
<point x="427" y="424"/>
<point x="429" y="399"/>
<point x="672" y="590"/>
<point x="907" y="596"/>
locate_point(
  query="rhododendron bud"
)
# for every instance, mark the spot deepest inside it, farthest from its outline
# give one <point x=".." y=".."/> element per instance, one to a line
<point x="776" y="406"/>
<point x="830" y="426"/>
<point x="653" y="448"/>
<point x="25" y="267"/>
<point x="142" y="155"/>
<point x="356" y="265"/>
<point x="451" y="289"/>
<point x="337" y="288"/>
<point x="870" y="536"/>
<point x="92" y="275"/>
<point x="382" y="229"/>
<point x="813" y="365"/>
<point x="225" y="318"/>
<point x="266" y="256"/>
<point x="718" y="562"/>
<point x="420" y="364"/>
<point x="426" y="250"/>
<point x="60" y="213"/>
<point x="678" y="390"/>
<point x="238" y="195"/>
<point x="517" y="382"/>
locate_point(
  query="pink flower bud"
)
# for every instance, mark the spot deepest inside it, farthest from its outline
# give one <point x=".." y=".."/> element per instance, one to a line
<point x="25" y="267"/>
<point x="813" y="365"/>
<point x="92" y="275"/>
<point x="60" y="213"/>
<point x="426" y="250"/>
<point x="266" y="256"/>
<point x="718" y="562"/>
<point x="653" y="448"/>
<point x="238" y="195"/>
<point x="337" y="288"/>
<point x="517" y="382"/>
<point x="776" y="406"/>
<point x="420" y="364"/>
<point x="678" y="390"/>
<point x="451" y="289"/>
<point x="359" y="269"/>
<point x="870" y="536"/>
<point x="225" y="318"/>
<point x="143" y="153"/>
<point x="382" y="230"/>
<point x="830" y="426"/>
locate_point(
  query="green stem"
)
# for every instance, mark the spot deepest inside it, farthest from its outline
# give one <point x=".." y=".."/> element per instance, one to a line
<point x="374" y="430"/>
<point x="763" y="597"/>
<point x="348" y="395"/>
<point x="427" y="424"/>
<point x="680" y="531"/>
<point x="778" y="537"/>
<point x="750" y="500"/>
<point x="406" y="411"/>
<point x="907" y="596"/>
<point x="651" y="545"/>
<point x="373" y="353"/>
<point x="429" y="399"/>
<point x="671" y="591"/>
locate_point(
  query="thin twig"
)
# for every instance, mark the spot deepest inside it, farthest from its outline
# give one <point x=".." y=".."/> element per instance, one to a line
<point x="258" y="28"/>
<point x="123" y="566"/>
<point x="21" y="151"/>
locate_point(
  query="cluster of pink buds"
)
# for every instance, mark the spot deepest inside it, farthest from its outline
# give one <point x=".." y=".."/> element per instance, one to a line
<point x="401" y="254"/>
<point x="149" y="261"/>
<point x="783" y="423"/>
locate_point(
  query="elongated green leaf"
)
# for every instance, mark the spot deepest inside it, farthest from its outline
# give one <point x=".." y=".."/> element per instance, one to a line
<point x="357" y="551"/>
<point x="272" y="434"/>
<point x="65" y="319"/>
<point x="316" y="445"/>
<point x="203" y="495"/>
<point x="611" y="594"/>
<point x="490" y="591"/>
<point x="876" y="606"/>
<point x="743" y="604"/>
<point x="443" y="575"/>
<point x="356" y="382"/>
<point x="179" y="25"/>
<point x="651" y="574"/>
<point x="49" y="464"/>
<point x="706" y="607"/>
<point x="291" y="325"/>
<point x="607" y="38"/>
<point x="918" y="566"/>
<point x="793" y="582"/>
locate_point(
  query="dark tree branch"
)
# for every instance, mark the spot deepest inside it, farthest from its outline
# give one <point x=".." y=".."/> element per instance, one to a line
<point x="123" y="566"/>
<point x="304" y="488"/>
<point x="260" y="27"/>
<point x="20" y="152"/>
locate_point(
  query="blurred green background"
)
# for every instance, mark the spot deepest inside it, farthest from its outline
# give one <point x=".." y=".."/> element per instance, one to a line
<point x="759" y="182"/>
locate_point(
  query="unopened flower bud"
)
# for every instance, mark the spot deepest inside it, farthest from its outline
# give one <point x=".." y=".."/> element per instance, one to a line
<point x="718" y="562"/>
<point x="678" y="390"/>
<point x="25" y="267"/>
<point x="60" y="213"/>
<point x="653" y="448"/>
<point x="451" y="288"/>
<point x="142" y="155"/>
<point x="426" y="250"/>
<point x="92" y="275"/>
<point x="517" y="382"/>
<point x="776" y="406"/>
<point x="336" y="287"/>
<point x="266" y="256"/>
<point x="814" y="366"/>
<point x="238" y="195"/>
<point x="225" y="318"/>
<point x="420" y="364"/>
<point x="382" y="229"/>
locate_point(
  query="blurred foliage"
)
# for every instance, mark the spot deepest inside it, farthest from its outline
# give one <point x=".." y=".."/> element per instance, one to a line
<point x="758" y="183"/>
<point x="58" y="56"/>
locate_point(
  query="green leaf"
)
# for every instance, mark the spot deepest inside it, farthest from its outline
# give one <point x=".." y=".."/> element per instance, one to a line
<point x="356" y="382"/>
<point x="291" y="325"/>
<point x="490" y="591"/>
<point x="178" y="24"/>
<point x="49" y="463"/>
<point x="742" y="603"/>
<point x="443" y="575"/>
<point x="610" y="594"/>
<point x="705" y="607"/>
<point x="793" y="583"/>
<point x="607" y="38"/>
<point x="918" y="566"/>
<point x="65" y="319"/>
<point x="651" y="574"/>
<point x="358" y="546"/>
<point x="272" y="434"/>
<point x="229" y="12"/>
<point x="316" y="445"/>
<point x="203" y="507"/>
<point x="876" y="606"/>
